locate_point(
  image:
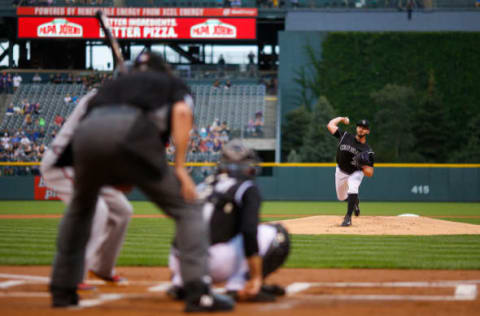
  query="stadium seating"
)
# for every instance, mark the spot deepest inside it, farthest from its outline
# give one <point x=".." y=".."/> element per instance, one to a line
<point x="235" y="105"/>
<point x="51" y="98"/>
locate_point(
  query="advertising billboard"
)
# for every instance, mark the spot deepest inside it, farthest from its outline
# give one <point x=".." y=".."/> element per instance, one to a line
<point x="139" y="28"/>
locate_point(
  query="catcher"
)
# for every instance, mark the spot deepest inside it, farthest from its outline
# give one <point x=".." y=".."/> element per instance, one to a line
<point x="242" y="253"/>
<point x="355" y="159"/>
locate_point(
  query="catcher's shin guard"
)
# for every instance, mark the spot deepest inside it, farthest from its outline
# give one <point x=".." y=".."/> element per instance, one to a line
<point x="278" y="251"/>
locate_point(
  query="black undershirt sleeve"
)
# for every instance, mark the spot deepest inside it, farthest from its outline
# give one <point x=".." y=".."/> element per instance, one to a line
<point x="338" y="133"/>
<point x="249" y="214"/>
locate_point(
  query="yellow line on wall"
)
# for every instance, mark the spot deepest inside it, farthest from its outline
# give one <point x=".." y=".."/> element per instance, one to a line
<point x="299" y="165"/>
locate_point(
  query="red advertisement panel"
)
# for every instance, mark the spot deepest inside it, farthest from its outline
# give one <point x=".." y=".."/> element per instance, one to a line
<point x="139" y="12"/>
<point x="41" y="192"/>
<point x="138" y="28"/>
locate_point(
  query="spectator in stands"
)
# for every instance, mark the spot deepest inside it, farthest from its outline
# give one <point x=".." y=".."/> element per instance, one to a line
<point x="5" y="139"/>
<point x="236" y="3"/>
<point x="203" y="133"/>
<point x="3" y="79"/>
<point x="24" y="140"/>
<point x="28" y="121"/>
<point x="67" y="99"/>
<point x="41" y="122"/>
<point x="57" y="79"/>
<point x="477" y="4"/>
<point x="224" y="138"/>
<point x="37" y="109"/>
<point x="228" y="84"/>
<point x="250" y="127"/>
<point x="70" y="78"/>
<point x="224" y="128"/>
<point x="18" y="110"/>
<point x="216" y="84"/>
<point x="10" y="110"/>
<point x="272" y="86"/>
<point x="221" y="65"/>
<point x="36" y="78"/>
<point x="217" y="145"/>
<point x="58" y="120"/>
<point x="258" y="124"/>
<point x="251" y="58"/>
<point x="12" y="84"/>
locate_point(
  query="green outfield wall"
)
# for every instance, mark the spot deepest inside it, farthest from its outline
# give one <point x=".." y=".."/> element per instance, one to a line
<point x="460" y="184"/>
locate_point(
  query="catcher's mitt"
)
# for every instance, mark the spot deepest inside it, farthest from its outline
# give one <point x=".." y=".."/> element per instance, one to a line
<point x="364" y="158"/>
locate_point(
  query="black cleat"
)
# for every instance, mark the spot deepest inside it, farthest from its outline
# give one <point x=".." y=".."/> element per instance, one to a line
<point x="64" y="297"/>
<point x="347" y="221"/>
<point x="261" y="296"/>
<point x="273" y="289"/>
<point x="356" y="211"/>
<point x="176" y="293"/>
<point x="210" y="303"/>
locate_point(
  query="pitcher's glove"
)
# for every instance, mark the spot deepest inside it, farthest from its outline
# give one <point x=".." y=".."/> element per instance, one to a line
<point x="364" y="158"/>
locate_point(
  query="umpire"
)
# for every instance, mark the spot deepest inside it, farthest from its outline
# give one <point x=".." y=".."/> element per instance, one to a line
<point x="121" y="142"/>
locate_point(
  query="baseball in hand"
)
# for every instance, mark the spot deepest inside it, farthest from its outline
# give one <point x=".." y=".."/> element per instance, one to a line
<point x="346" y="120"/>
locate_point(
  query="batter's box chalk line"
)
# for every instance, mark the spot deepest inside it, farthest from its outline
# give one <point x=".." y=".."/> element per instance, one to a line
<point x="464" y="290"/>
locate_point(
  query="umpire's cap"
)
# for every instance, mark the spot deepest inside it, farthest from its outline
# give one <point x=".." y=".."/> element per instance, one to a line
<point x="364" y="123"/>
<point x="150" y="61"/>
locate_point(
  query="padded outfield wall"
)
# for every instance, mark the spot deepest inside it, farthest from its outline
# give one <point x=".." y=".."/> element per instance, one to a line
<point x="460" y="183"/>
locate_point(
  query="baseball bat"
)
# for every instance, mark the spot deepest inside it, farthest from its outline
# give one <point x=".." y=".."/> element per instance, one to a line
<point x="111" y="40"/>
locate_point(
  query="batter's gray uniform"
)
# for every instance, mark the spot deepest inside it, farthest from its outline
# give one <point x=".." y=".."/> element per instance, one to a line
<point x="112" y="211"/>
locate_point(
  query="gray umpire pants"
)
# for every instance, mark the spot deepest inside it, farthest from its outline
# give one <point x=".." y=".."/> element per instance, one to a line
<point x="98" y="161"/>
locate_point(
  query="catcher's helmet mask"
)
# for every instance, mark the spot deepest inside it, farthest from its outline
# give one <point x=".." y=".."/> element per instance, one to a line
<point x="238" y="160"/>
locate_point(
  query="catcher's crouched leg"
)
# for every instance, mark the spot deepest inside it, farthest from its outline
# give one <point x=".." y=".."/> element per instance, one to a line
<point x="275" y="257"/>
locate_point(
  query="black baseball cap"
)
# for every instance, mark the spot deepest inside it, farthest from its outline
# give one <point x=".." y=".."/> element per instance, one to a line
<point x="363" y="123"/>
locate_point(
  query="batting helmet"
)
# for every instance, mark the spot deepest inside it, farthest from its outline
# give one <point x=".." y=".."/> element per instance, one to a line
<point x="238" y="160"/>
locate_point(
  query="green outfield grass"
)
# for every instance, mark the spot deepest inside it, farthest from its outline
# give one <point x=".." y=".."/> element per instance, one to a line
<point x="32" y="241"/>
<point x="278" y="207"/>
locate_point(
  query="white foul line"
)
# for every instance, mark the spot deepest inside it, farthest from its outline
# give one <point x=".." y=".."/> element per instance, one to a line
<point x="162" y="287"/>
<point x="7" y="284"/>
<point x="24" y="294"/>
<point x="463" y="291"/>
<point x="104" y="298"/>
<point x="25" y="277"/>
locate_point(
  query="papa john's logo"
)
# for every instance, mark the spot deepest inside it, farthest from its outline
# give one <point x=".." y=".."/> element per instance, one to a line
<point x="59" y="28"/>
<point x="213" y="28"/>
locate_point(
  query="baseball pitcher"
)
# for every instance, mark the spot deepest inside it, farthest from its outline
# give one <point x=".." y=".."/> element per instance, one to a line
<point x="355" y="160"/>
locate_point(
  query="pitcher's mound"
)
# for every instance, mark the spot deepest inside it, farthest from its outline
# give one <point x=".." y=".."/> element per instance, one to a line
<point x="379" y="225"/>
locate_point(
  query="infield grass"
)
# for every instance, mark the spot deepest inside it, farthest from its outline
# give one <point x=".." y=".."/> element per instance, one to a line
<point x="32" y="241"/>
